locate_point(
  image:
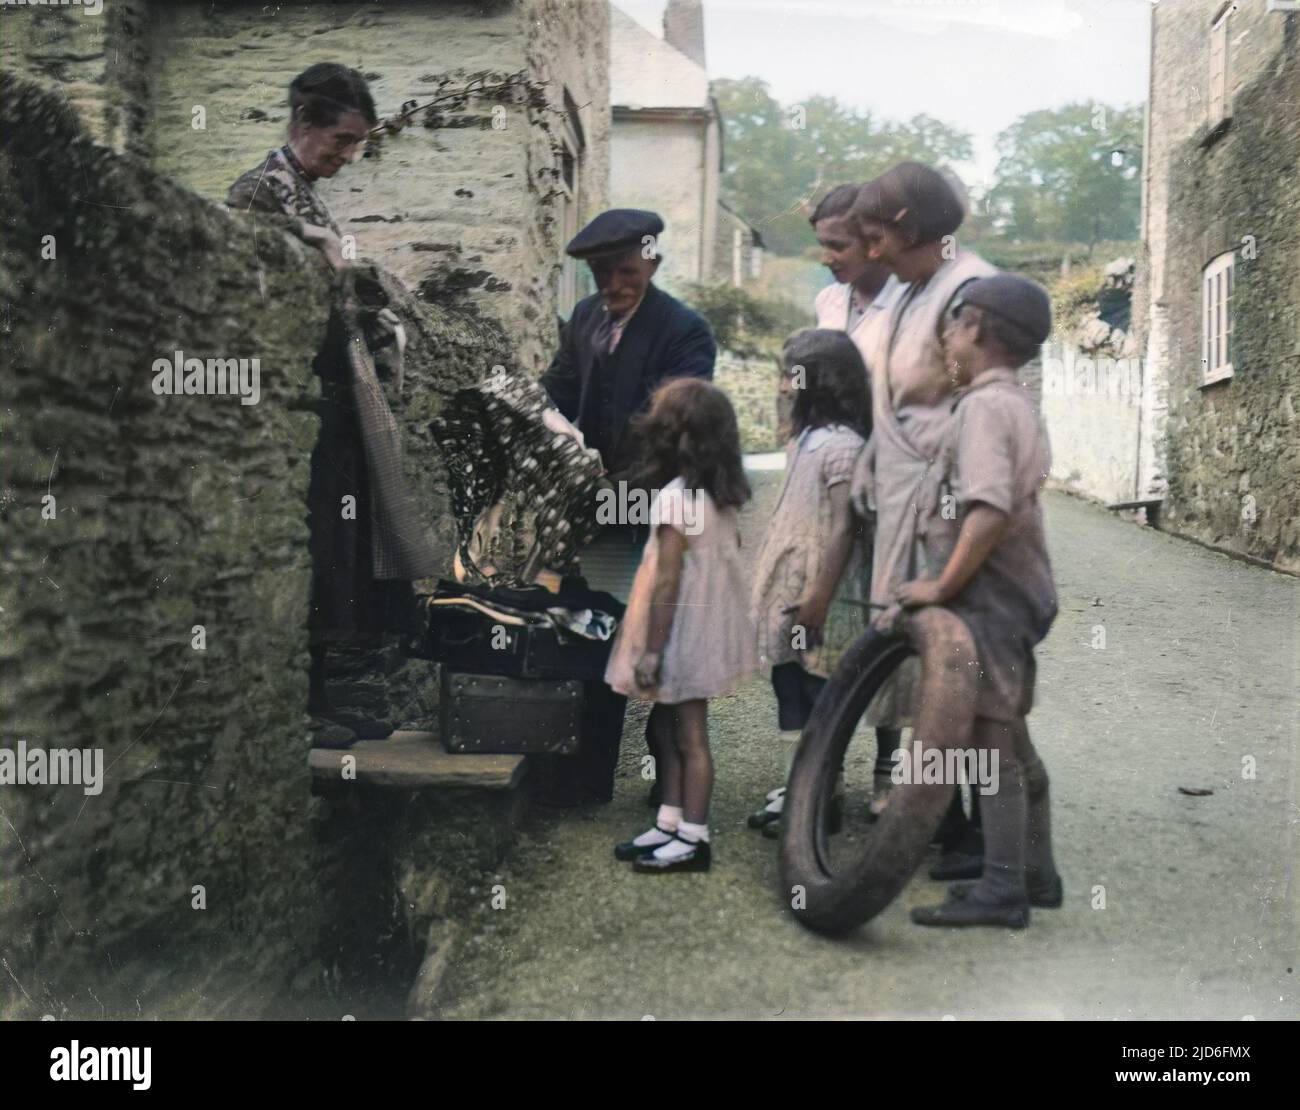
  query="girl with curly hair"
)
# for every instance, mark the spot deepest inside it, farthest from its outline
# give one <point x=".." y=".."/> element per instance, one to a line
<point x="685" y="637"/>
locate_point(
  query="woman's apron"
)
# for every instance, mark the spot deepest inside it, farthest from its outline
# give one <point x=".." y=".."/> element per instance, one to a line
<point x="905" y="455"/>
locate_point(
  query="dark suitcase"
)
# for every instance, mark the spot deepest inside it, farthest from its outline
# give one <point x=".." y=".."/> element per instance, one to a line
<point x="496" y="713"/>
<point x="470" y="640"/>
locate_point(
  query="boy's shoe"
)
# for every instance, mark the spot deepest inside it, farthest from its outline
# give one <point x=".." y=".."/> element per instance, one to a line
<point x="965" y="910"/>
<point x="1046" y="895"/>
<point x="630" y="849"/>
<point x="772" y="830"/>
<point x="700" y="858"/>
<point x="957" y="865"/>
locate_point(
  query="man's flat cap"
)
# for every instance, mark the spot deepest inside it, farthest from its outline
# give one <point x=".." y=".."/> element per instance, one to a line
<point x="1016" y="299"/>
<point x="619" y="229"/>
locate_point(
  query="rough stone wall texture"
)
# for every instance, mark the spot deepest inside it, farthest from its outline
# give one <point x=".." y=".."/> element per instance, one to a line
<point x="98" y="63"/>
<point x="660" y="164"/>
<point x="168" y="512"/>
<point x="1230" y="449"/>
<point x="463" y="211"/>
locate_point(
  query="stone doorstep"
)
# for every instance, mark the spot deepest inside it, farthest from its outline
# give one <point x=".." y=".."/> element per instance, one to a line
<point x="414" y="760"/>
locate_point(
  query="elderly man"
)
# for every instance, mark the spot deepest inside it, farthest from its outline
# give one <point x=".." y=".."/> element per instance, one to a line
<point x="626" y="339"/>
<point x="619" y="346"/>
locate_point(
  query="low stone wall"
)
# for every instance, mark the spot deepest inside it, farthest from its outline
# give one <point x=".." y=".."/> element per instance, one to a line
<point x="751" y="386"/>
<point x="204" y="873"/>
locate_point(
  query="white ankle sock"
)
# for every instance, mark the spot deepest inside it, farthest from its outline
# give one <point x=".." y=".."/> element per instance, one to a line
<point x="669" y="817"/>
<point x="652" y="837"/>
<point x="697" y="833"/>
<point x="776" y="805"/>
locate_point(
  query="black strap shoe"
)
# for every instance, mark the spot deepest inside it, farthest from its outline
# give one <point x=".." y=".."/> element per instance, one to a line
<point x="630" y="849"/>
<point x="763" y="817"/>
<point x="699" y="859"/>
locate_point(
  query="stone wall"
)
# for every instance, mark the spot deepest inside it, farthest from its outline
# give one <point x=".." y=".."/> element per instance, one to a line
<point x="98" y="63"/>
<point x="129" y="519"/>
<point x="1091" y="385"/>
<point x="1230" y="449"/>
<point x="460" y="206"/>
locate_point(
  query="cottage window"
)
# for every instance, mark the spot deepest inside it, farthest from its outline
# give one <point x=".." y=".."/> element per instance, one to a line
<point x="568" y="215"/>
<point x="1220" y="94"/>
<point x="1216" y="319"/>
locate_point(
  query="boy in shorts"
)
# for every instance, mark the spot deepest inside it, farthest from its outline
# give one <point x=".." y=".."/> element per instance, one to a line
<point x="997" y="577"/>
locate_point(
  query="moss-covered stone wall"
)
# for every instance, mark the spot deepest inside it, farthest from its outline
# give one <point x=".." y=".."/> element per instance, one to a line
<point x="129" y="520"/>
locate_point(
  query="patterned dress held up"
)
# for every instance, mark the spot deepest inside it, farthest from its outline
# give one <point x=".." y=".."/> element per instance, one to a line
<point x="710" y="650"/>
<point x="794" y="546"/>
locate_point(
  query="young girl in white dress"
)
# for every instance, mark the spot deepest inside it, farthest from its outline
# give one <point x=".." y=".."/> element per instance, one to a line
<point x="686" y="636"/>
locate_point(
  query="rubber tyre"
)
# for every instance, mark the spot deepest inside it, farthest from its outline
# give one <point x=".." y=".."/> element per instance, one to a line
<point x="836" y="902"/>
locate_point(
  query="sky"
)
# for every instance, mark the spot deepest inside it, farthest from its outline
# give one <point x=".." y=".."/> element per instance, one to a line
<point x="976" y="64"/>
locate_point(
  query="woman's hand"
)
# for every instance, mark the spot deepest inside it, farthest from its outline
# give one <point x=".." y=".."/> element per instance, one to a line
<point x="646" y="671"/>
<point x="913" y="595"/>
<point x="329" y="244"/>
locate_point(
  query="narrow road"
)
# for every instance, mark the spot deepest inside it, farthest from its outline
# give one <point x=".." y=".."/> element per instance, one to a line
<point x="1199" y="919"/>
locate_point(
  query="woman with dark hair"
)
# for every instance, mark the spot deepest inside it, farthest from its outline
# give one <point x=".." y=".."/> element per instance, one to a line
<point x="813" y="543"/>
<point x="907" y="219"/>
<point x="331" y="114"/>
<point x="363" y="560"/>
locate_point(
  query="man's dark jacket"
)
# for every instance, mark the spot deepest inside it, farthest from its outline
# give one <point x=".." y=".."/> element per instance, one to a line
<point x="601" y="392"/>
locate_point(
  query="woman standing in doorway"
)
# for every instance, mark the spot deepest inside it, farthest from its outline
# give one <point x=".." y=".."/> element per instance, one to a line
<point x="362" y="561"/>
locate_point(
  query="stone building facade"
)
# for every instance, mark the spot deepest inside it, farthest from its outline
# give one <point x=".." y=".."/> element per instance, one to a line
<point x="1217" y="298"/>
<point x="207" y="873"/>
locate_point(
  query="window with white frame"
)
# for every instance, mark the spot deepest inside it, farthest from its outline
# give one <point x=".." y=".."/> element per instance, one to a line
<point x="1220" y="102"/>
<point x="1216" y="319"/>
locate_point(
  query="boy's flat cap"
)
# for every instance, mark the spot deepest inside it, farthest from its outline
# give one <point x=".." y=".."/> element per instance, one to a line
<point x="618" y="229"/>
<point x="1015" y="298"/>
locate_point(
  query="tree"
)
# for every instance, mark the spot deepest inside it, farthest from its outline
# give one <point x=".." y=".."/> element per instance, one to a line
<point x="778" y="158"/>
<point x="1069" y="174"/>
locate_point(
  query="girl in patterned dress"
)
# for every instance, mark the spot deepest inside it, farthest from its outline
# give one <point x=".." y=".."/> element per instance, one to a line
<point x="686" y="636"/>
<point x="813" y="544"/>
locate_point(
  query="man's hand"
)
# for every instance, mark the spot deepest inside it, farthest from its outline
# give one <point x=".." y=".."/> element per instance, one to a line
<point x="646" y="671"/>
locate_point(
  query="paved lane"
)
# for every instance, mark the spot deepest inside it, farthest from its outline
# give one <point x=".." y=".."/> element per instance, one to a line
<point x="1198" y="672"/>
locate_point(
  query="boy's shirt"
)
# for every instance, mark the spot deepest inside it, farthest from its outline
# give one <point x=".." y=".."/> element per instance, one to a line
<point x="997" y="453"/>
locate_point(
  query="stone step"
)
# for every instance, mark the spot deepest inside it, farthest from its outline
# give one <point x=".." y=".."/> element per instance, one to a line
<point x="414" y="760"/>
